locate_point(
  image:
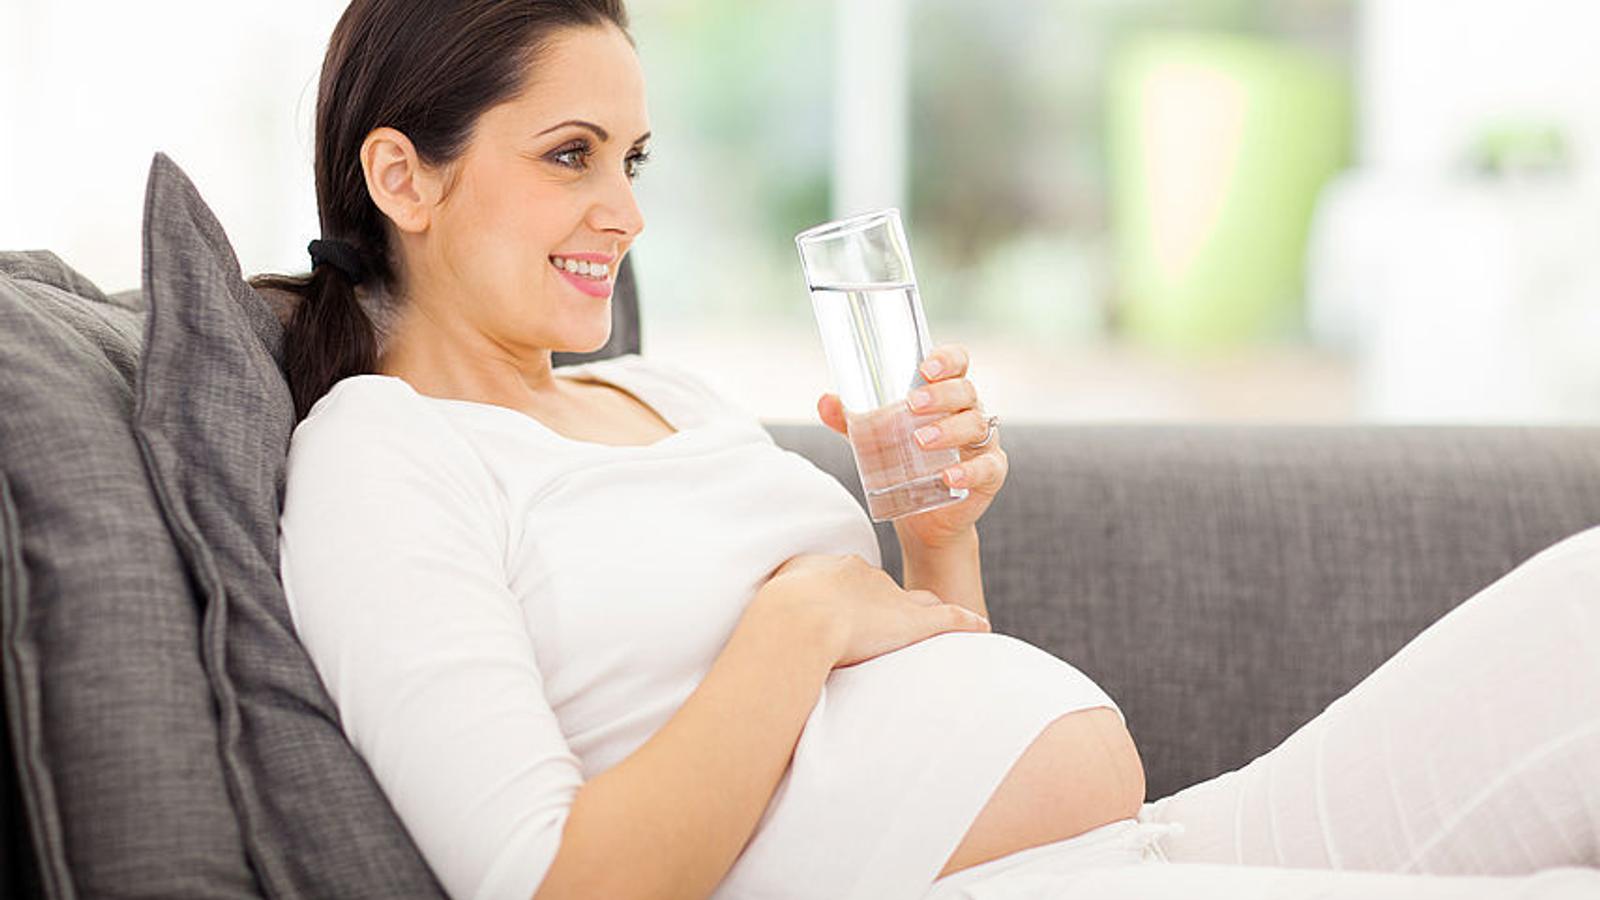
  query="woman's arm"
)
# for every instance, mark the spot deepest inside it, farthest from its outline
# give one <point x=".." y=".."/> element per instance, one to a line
<point x="954" y="571"/>
<point x="672" y="818"/>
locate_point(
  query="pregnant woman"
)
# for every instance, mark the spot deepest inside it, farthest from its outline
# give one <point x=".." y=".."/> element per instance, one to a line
<point x="597" y="635"/>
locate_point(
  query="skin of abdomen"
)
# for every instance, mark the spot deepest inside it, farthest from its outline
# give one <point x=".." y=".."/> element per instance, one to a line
<point x="1081" y="772"/>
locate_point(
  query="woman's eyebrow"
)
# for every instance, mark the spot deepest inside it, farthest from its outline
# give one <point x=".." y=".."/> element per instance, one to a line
<point x="601" y="132"/>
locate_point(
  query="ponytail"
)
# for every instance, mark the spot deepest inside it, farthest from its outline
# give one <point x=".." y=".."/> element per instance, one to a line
<point x="329" y="335"/>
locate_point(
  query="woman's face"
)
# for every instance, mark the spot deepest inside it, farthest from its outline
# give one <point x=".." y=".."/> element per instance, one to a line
<point x="535" y="186"/>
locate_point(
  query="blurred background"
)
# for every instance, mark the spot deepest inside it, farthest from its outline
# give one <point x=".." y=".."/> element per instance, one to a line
<point x="1266" y="210"/>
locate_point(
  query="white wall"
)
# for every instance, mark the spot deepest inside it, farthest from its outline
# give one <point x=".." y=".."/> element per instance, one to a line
<point x="90" y="89"/>
<point x="11" y="49"/>
<point x="1466" y="298"/>
<point x="1431" y="71"/>
<point x="870" y="96"/>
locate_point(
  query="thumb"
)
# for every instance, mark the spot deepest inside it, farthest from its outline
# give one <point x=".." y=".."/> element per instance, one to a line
<point x="831" y="411"/>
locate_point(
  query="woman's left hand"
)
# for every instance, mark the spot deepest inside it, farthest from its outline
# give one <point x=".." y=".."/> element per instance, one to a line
<point x="982" y="471"/>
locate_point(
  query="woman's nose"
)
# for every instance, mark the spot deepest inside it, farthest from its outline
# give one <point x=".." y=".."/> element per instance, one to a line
<point x="618" y="210"/>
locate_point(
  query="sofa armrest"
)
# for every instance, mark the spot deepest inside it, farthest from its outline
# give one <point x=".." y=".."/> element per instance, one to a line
<point x="1226" y="582"/>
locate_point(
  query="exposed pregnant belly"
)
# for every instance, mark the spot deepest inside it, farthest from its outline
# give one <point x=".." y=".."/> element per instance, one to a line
<point x="1081" y="772"/>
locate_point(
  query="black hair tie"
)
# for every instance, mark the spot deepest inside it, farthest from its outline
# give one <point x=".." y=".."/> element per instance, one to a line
<point x="341" y="256"/>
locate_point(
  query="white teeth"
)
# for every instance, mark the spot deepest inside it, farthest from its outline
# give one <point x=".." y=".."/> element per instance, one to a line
<point x="596" y="271"/>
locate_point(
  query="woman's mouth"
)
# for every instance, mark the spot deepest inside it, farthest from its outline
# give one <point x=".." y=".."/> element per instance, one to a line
<point x="593" y="279"/>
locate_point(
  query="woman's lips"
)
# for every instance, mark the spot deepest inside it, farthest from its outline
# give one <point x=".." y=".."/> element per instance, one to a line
<point x="590" y="286"/>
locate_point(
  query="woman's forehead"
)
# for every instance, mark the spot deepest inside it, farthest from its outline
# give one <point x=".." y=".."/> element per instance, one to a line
<point x="586" y="63"/>
<point x="588" y="74"/>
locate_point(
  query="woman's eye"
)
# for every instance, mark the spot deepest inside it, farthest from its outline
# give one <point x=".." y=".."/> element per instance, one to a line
<point x="580" y="153"/>
<point x="560" y="154"/>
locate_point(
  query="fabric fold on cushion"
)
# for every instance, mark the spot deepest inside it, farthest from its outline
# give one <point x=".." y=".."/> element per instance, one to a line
<point x="19" y="870"/>
<point x="213" y="416"/>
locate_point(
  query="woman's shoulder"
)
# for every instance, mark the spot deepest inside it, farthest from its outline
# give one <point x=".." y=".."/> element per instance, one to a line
<point x="375" y="422"/>
<point x="361" y="404"/>
<point x="371" y="448"/>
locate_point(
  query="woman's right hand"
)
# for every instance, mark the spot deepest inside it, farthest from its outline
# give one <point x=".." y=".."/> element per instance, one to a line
<point x="863" y="611"/>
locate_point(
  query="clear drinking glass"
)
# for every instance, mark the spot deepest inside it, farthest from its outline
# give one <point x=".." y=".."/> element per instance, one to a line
<point x="864" y="296"/>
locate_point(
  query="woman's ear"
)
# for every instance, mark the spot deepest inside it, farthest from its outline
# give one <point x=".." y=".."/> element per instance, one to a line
<point x="401" y="186"/>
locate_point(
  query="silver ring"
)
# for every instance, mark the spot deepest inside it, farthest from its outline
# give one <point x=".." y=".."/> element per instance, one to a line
<point x="993" y="423"/>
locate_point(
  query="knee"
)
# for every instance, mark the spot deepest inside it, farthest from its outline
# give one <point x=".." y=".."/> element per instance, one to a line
<point x="1554" y="583"/>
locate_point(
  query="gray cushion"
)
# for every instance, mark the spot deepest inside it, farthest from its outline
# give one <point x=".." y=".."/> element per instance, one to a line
<point x="19" y="871"/>
<point x="108" y="709"/>
<point x="214" y="417"/>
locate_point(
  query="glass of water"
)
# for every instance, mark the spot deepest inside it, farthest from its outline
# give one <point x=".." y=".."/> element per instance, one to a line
<point x="864" y="297"/>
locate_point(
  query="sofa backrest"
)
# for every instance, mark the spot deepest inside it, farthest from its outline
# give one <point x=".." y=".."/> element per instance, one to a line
<point x="1225" y="583"/>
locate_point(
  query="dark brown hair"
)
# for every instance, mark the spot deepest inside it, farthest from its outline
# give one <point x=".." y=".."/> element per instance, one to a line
<point x="429" y="70"/>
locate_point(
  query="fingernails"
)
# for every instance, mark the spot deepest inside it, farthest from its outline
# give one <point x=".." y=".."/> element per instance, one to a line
<point x="956" y="475"/>
<point x="932" y="367"/>
<point x="920" y="397"/>
<point x="927" y="434"/>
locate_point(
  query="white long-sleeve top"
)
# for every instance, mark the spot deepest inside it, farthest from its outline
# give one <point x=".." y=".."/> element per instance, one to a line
<point x="500" y="613"/>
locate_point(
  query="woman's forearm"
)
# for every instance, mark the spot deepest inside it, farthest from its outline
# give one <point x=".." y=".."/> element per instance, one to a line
<point x="953" y="571"/>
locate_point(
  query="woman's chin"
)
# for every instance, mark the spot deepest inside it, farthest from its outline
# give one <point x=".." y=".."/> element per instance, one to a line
<point x="592" y="345"/>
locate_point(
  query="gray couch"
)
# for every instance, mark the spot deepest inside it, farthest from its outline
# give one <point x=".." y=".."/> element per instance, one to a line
<point x="1224" y="583"/>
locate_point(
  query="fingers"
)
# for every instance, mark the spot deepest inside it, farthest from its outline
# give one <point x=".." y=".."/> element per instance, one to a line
<point x="951" y="395"/>
<point x="831" y="412"/>
<point x="952" y="617"/>
<point x="965" y="427"/>
<point x="945" y="361"/>
<point x="966" y="619"/>
<point x="986" y="471"/>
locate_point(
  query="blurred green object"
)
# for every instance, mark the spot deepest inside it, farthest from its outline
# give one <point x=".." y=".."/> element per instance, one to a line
<point x="1218" y="145"/>
<point x="1512" y="146"/>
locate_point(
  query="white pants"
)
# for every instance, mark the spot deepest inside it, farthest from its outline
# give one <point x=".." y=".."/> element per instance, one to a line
<point x="1466" y="766"/>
